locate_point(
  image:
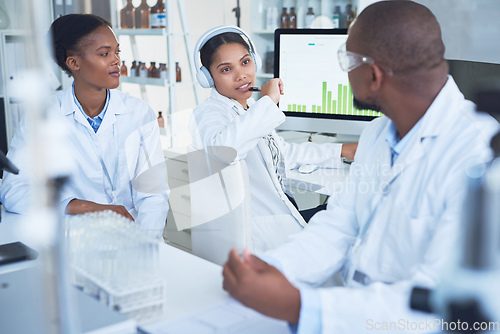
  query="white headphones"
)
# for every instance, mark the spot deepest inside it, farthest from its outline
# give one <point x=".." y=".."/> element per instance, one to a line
<point x="202" y="73"/>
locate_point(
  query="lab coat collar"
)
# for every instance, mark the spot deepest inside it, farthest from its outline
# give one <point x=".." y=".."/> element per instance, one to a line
<point x="115" y="107"/>
<point x="437" y="118"/>
<point x="434" y="122"/>
<point x="231" y="103"/>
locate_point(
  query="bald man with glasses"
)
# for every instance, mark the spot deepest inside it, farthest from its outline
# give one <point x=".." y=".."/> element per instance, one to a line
<point x="396" y="221"/>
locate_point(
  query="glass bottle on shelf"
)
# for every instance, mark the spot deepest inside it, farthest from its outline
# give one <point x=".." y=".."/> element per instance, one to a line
<point x="138" y="69"/>
<point x="142" y="15"/>
<point x="178" y="76"/>
<point x="123" y="69"/>
<point x="292" y="19"/>
<point x="348" y="16"/>
<point x="284" y="19"/>
<point x="127" y="16"/>
<point x="309" y="17"/>
<point x="161" y="120"/>
<point x="163" y="71"/>
<point x="133" y="68"/>
<point x="153" y="70"/>
<point x="158" y="17"/>
<point x="336" y="17"/>
<point x="143" y="71"/>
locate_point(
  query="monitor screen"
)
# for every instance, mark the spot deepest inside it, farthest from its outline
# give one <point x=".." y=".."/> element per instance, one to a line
<point x="316" y="88"/>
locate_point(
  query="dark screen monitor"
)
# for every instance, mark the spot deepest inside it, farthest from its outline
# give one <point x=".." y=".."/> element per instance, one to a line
<point x="318" y="96"/>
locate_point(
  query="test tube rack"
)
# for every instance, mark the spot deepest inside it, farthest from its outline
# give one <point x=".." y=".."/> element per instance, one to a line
<point x="116" y="261"/>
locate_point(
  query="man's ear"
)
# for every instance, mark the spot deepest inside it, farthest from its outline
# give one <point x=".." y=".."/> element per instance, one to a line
<point x="378" y="76"/>
<point x="72" y="63"/>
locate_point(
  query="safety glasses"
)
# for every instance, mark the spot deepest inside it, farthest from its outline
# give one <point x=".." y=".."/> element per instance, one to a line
<point x="351" y="60"/>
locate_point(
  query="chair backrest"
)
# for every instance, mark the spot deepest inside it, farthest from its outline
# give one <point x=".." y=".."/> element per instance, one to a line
<point x="220" y="207"/>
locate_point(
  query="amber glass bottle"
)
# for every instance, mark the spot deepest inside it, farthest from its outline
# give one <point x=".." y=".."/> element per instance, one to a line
<point x="127" y="16"/>
<point x="123" y="69"/>
<point x="153" y="71"/>
<point x="161" y="120"/>
<point x="292" y="19"/>
<point x="158" y="17"/>
<point x="178" y="76"/>
<point x="284" y="19"/>
<point x="142" y="15"/>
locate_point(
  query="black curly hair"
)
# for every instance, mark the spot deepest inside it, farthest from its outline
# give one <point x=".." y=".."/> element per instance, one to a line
<point x="67" y="31"/>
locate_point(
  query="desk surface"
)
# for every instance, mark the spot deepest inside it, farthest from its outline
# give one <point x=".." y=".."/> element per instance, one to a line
<point x="323" y="181"/>
<point x="193" y="284"/>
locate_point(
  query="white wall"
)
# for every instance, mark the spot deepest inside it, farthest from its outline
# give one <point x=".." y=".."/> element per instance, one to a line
<point x="471" y="28"/>
<point x="14" y="10"/>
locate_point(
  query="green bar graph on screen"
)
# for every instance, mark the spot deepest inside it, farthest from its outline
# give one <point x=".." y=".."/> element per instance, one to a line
<point x="343" y="105"/>
<point x="323" y="105"/>
<point x="344" y="99"/>
<point x="329" y="103"/>
<point x="350" y="108"/>
<point x="339" y="99"/>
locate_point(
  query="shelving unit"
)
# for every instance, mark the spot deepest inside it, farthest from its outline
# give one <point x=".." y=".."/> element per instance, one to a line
<point x="165" y="35"/>
<point x="13" y="61"/>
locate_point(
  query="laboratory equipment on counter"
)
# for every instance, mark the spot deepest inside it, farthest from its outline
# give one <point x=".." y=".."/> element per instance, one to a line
<point x="116" y="261"/>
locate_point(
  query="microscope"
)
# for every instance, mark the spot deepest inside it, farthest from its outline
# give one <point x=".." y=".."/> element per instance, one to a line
<point x="468" y="296"/>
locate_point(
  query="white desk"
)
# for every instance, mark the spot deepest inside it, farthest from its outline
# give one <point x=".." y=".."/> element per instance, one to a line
<point x="193" y="284"/>
<point x="321" y="181"/>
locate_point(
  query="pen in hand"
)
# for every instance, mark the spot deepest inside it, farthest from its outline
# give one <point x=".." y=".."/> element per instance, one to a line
<point x="254" y="89"/>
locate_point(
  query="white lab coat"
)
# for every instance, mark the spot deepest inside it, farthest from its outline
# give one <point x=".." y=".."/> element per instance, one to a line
<point x="130" y="125"/>
<point x="220" y="121"/>
<point x="416" y="207"/>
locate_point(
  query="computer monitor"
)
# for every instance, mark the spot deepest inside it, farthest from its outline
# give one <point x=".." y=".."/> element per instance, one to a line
<point x="318" y="96"/>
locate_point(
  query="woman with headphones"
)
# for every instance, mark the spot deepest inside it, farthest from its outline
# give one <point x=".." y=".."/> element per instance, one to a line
<point x="231" y="118"/>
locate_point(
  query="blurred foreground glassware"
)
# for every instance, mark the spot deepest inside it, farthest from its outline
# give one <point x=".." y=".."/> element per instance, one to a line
<point x="116" y="261"/>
